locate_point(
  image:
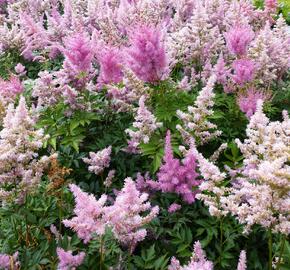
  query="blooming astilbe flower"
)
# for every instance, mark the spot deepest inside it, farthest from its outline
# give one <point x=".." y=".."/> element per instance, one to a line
<point x="126" y="216"/>
<point x="47" y="89"/>
<point x="99" y="161"/>
<point x="248" y="101"/>
<point x="89" y="214"/>
<point x="261" y="194"/>
<point x="145" y="125"/>
<point x="10" y="88"/>
<point x="178" y="177"/>
<point x="238" y="39"/>
<point x="198" y="261"/>
<point x="20" y="170"/>
<point x="146" y="56"/>
<point x="195" y="121"/>
<point x="242" y="265"/>
<point x="78" y="59"/>
<point x="8" y="262"/>
<point x="110" y="66"/>
<point x="67" y="261"/>
<point x="271" y="51"/>
<point x="244" y="71"/>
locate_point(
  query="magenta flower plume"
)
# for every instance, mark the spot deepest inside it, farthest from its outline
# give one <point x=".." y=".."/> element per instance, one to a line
<point x="78" y="58"/>
<point x="146" y="55"/>
<point x="110" y="66"/>
<point x="89" y="212"/>
<point x="178" y="177"/>
<point x="248" y="101"/>
<point x="238" y="39"/>
<point x="244" y="71"/>
<point x="67" y="261"/>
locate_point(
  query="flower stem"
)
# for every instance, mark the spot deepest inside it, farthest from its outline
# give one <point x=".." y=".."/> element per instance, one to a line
<point x="270" y="247"/>
<point x="281" y="252"/>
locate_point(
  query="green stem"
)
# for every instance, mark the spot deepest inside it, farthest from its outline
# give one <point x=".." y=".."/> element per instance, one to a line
<point x="270" y="247"/>
<point x="101" y="253"/>
<point x="281" y="252"/>
<point x="221" y="242"/>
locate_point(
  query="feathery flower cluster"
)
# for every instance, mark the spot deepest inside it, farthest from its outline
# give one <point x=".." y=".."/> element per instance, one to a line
<point x="78" y="59"/>
<point x="248" y="101"/>
<point x="8" y="262"/>
<point x="244" y="71"/>
<point x="146" y="55"/>
<point x="9" y="89"/>
<point x="89" y="214"/>
<point x="123" y="216"/>
<point x="196" y="120"/>
<point x="20" y="170"/>
<point x="238" y="39"/>
<point x="261" y="194"/>
<point x="67" y="261"/>
<point x="174" y="176"/>
<point x="99" y="161"/>
<point x="198" y="261"/>
<point x="145" y="125"/>
<point x="110" y="66"/>
<point x="242" y="265"/>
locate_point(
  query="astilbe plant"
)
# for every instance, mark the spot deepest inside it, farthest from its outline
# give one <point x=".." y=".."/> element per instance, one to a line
<point x="238" y="39"/>
<point x="198" y="261"/>
<point x="20" y="167"/>
<point x="178" y="177"/>
<point x="127" y="216"/>
<point x="99" y="161"/>
<point x="195" y="121"/>
<point x="248" y="101"/>
<point x="68" y="261"/>
<point x="78" y="59"/>
<point x="145" y="124"/>
<point x="146" y="55"/>
<point x="260" y="194"/>
<point x="89" y="214"/>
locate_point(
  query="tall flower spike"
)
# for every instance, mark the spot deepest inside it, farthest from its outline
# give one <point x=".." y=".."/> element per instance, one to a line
<point x="198" y="261"/>
<point x="244" y="71"/>
<point x="67" y="261"/>
<point x="126" y="216"/>
<point x="196" y="121"/>
<point x="261" y="193"/>
<point x="242" y="261"/>
<point x="110" y="66"/>
<point x="78" y="59"/>
<point x="145" y="125"/>
<point x="20" y="169"/>
<point x="89" y="213"/>
<point x="238" y="39"/>
<point x="177" y="177"/>
<point x="146" y="56"/>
